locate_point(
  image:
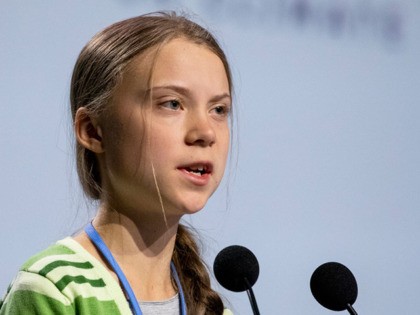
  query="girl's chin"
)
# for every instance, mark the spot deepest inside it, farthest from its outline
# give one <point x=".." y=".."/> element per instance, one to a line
<point x="193" y="208"/>
<point x="190" y="205"/>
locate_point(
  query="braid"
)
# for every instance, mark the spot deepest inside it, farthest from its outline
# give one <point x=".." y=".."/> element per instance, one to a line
<point x="194" y="276"/>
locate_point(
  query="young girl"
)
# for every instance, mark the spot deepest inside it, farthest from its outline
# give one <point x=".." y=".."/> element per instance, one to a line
<point x="150" y="101"/>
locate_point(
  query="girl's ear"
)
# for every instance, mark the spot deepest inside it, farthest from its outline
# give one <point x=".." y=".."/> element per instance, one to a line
<point x="88" y="132"/>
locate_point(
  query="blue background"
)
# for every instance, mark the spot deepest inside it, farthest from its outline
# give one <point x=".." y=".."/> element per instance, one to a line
<point x="326" y="165"/>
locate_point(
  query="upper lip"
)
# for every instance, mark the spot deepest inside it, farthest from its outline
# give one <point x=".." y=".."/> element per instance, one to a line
<point x="205" y="167"/>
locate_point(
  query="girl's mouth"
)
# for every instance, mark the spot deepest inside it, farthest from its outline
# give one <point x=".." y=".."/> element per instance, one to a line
<point x="198" y="169"/>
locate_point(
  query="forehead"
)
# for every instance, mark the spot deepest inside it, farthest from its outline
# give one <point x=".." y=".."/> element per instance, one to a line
<point x="177" y="60"/>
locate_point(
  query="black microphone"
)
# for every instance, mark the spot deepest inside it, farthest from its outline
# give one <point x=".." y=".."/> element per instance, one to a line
<point x="236" y="269"/>
<point x="334" y="287"/>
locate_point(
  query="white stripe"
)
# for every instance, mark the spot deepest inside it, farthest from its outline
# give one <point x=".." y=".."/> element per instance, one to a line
<point x="73" y="290"/>
<point x="27" y="281"/>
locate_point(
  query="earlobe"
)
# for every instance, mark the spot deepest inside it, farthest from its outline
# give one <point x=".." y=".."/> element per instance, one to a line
<point x="87" y="130"/>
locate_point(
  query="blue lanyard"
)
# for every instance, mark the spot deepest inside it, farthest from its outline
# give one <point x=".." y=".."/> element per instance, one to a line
<point x="104" y="250"/>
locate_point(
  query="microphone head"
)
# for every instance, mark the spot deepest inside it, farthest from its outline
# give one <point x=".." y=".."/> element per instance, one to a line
<point x="236" y="268"/>
<point x="334" y="286"/>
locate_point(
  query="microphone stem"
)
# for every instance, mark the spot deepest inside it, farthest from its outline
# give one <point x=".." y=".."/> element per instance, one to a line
<point x="252" y="299"/>
<point x="351" y="309"/>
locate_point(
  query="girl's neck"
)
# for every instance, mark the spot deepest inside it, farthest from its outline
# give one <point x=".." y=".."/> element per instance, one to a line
<point x="143" y="248"/>
<point x="146" y="233"/>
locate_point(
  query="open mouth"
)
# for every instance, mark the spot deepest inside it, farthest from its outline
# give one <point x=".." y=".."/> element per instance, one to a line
<point x="199" y="169"/>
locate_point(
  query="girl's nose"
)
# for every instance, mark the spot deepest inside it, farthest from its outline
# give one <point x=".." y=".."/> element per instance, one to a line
<point x="200" y="132"/>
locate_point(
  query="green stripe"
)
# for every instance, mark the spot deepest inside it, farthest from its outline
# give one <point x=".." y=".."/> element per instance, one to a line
<point x="62" y="263"/>
<point x="93" y="306"/>
<point x="63" y="282"/>
<point x="52" y="250"/>
<point x="30" y="302"/>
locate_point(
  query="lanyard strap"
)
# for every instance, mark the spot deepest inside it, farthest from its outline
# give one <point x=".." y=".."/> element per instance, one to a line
<point x="132" y="300"/>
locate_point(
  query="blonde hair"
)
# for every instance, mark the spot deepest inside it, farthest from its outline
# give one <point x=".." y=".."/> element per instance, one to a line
<point x="97" y="72"/>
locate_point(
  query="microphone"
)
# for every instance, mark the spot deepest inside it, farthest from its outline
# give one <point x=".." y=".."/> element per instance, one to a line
<point x="334" y="287"/>
<point x="236" y="269"/>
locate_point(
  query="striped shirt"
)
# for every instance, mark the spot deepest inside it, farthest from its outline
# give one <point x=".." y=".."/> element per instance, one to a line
<point x="65" y="279"/>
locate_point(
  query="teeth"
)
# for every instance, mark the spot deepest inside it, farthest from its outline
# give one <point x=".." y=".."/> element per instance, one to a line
<point x="197" y="171"/>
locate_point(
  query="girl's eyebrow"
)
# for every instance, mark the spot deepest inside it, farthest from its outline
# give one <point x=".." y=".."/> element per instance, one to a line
<point x="187" y="92"/>
<point x="221" y="97"/>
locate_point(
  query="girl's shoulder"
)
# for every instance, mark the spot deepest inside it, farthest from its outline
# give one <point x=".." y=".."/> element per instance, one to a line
<point x="57" y="252"/>
<point x="62" y="278"/>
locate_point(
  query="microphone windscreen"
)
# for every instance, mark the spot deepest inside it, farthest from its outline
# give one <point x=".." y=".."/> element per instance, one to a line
<point x="236" y="268"/>
<point x="334" y="286"/>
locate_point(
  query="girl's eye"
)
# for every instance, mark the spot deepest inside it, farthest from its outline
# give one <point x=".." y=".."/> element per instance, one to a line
<point x="172" y="104"/>
<point x="221" y="110"/>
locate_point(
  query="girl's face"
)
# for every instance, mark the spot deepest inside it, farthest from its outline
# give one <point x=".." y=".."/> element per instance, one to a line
<point x="174" y="128"/>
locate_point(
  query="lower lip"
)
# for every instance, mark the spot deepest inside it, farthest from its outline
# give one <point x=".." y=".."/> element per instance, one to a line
<point x="196" y="179"/>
